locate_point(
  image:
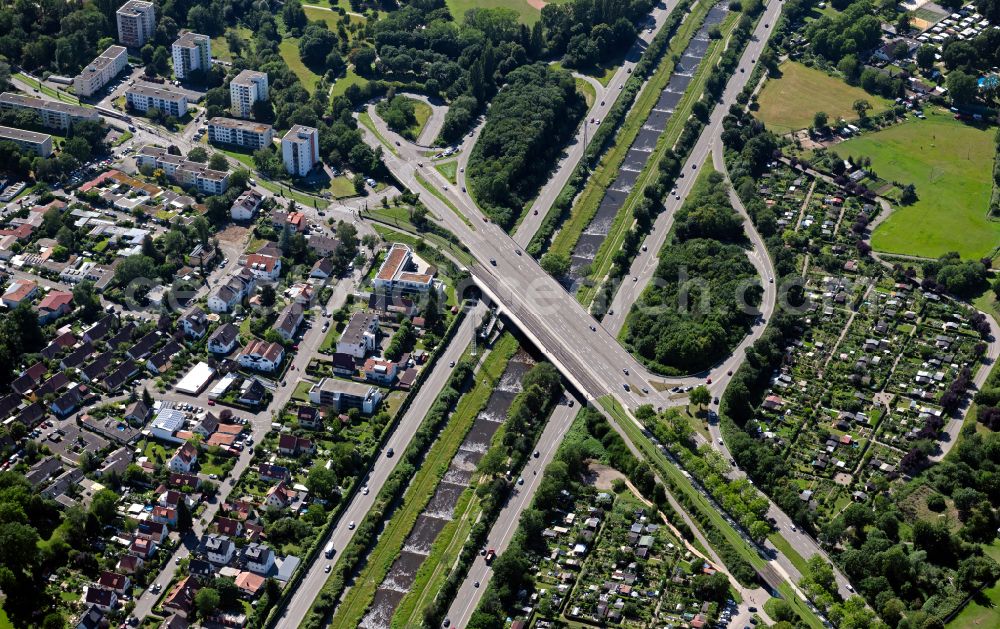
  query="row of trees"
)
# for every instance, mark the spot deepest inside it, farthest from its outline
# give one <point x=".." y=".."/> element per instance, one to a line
<point x="590" y="32"/>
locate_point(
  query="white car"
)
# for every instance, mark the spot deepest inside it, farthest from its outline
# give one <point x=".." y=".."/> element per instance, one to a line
<point x="350" y="525"/>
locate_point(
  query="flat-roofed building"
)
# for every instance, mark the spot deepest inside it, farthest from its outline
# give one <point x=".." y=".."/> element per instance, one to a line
<point x="300" y="150"/>
<point x="247" y="88"/>
<point x="183" y="171"/>
<point x="342" y="395"/>
<point x="245" y="133"/>
<point x="38" y="143"/>
<point x="100" y="71"/>
<point x="191" y="52"/>
<point x="136" y="23"/>
<point x="142" y="98"/>
<point x="54" y="115"/>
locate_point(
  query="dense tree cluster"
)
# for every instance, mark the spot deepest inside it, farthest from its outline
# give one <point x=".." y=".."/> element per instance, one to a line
<point x="590" y="32"/>
<point x="694" y="312"/>
<point x="951" y="274"/>
<point x="399" y="114"/>
<point x="528" y="123"/>
<point x="855" y="31"/>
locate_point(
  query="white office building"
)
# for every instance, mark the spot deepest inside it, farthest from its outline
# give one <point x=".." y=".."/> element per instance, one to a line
<point x="142" y="98"/>
<point x="245" y="133"/>
<point x="300" y="150"/>
<point x="191" y="52"/>
<point x="100" y="71"/>
<point x="246" y="89"/>
<point x="136" y="23"/>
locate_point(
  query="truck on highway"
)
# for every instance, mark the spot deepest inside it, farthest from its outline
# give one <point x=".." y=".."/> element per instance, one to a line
<point x="328" y="551"/>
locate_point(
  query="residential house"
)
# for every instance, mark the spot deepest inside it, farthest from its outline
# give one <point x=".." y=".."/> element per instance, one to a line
<point x="92" y="618"/>
<point x="271" y="473"/>
<point x="279" y="497"/>
<point x="67" y="402"/>
<point x="239" y="286"/>
<point x="258" y="558"/>
<point x="144" y="346"/>
<point x="54" y="305"/>
<point x="178" y="479"/>
<point x="217" y="548"/>
<point x="245" y="206"/>
<point x="95" y="371"/>
<point x="129" y="564"/>
<point x="181" y="598"/>
<point x="343" y="365"/>
<point x="229" y="527"/>
<point x="142" y="547"/>
<point x="184" y="459"/>
<point x="261" y="356"/>
<point x="100" y="329"/>
<point x="118" y="583"/>
<point x="223" y="340"/>
<point x="309" y="417"/>
<point x="398" y="273"/>
<point x="19" y="291"/>
<point x="77" y="357"/>
<point x="194" y="323"/>
<point x="164" y="515"/>
<point x="360" y="336"/>
<point x="137" y="412"/>
<point x="382" y="372"/>
<point x="252" y="392"/>
<point x="263" y="266"/>
<point x="104" y="600"/>
<point x="154" y="532"/>
<point x="342" y="395"/>
<point x="289" y="320"/>
<point x="324" y="246"/>
<point x="290" y="445"/>
<point x="249" y="583"/>
<point x="29" y="379"/>
<point x="322" y="270"/>
<point x="120" y="376"/>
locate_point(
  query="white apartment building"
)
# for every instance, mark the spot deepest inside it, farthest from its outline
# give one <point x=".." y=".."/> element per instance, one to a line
<point x="398" y="273"/>
<point x="100" y="71"/>
<point x="252" y="135"/>
<point x="54" y="115"/>
<point x="38" y="143"/>
<point x="300" y="150"/>
<point x="191" y="52"/>
<point x="142" y="98"/>
<point x="246" y="89"/>
<point x="184" y="172"/>
<point x="136" y="22"/>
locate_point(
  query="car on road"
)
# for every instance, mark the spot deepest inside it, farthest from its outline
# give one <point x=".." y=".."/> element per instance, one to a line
<point x="625" y="386"/>
<point x="327" y="568"/>
<point x="350" y="525"/>
<point x="447" y="622"/>
<point x="625" y="371"/>
<point x="493" y="261"/>
<point x="476" y="584"/>
<point x="211" y="402"/>
<point x="537" y="454"/>
<point x="390" y="453"/>
<point x="364" y="490"/>
<point x="520" y="481"/>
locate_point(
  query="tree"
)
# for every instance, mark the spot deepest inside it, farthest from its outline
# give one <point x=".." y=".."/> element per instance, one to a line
<point x="962" y="87"/>
<point x="218" y="161"/>
<point x="701" y="396"/>
<point x="555" y="264"/>
<point x="85" y="298"/>
<point x="908" y="195"/>
<point x="321" y="482"/>
<point x="925" y="57"/>
<point x="267" y="296"/>
<point x="198" y="154"/>
<point x="207" y="601"/>
<point x="820" y="120"/>
<point x="861" y="107"/>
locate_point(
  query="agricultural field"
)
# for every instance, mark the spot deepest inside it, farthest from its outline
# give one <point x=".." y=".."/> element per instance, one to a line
<point x="950" y="163"/>
<point x="788" y="103"/>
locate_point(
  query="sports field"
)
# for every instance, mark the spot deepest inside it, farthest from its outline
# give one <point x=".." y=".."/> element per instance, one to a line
<point x="788" y="103"/>
<point x="950" y="164"/>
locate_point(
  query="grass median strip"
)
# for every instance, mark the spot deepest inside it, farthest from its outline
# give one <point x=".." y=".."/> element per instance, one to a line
<point x="607" y="170"/>
<point x="443" y="199"/>
<point x="670" y="471"/>
<point x="604" y="258"/>
<point x="365" y="119"/>
<point x="421" y="488"/>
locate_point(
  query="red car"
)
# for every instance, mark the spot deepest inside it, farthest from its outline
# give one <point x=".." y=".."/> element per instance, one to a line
<point x="211" y="402"/>
<point x="709" y="381"/>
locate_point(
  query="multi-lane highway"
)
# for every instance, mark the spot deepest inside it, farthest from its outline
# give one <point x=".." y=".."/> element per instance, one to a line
<point x="361" y="501"/>
<point x="468" y="595"/>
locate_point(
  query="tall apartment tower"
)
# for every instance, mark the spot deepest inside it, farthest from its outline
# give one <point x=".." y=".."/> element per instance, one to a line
<point x="136" y="22"/>
<point x="247" y="88"/>
<point x="300" y="150"/>
<point x="191" y="52"/>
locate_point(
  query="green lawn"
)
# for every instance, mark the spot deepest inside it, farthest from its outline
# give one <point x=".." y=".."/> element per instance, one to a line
<point x="525" y="12"/>
<point x="366" y="120"/>
<point x="789" y="102"/>
<point x="981" y="611"/>
<point x="289" y="49"/>
<point x="341" y="187"/>
<point x="448" y="169"/>
<point x="350" y="78"/>
<point x="422" y="112"/>
<point x="588" y="91"/>
<point x="950" y="164"/>
<point x="220" y="46"/>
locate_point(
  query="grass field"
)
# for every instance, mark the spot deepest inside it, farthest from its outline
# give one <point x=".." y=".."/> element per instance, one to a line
<point x="525" y="12"/>
<point x="350" y="78"/>
<point x="950" y="164"/>
<point x="588" y="91"/>
<point x="448" y="169"/>
<point x="220" y="47"/>
<point x="789" y="102"/>
<point x="289" y="50"/>
<point x="982" y="611"/>
<point x="422" y="487"/>
<point x="422" y="112"/>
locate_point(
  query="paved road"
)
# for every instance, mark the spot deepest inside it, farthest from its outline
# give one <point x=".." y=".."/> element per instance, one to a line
<point x="360" y="503"/>
<point x="606" y="96"/>
<point x="468" y="596"/>
<point x="260" y="426"/>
